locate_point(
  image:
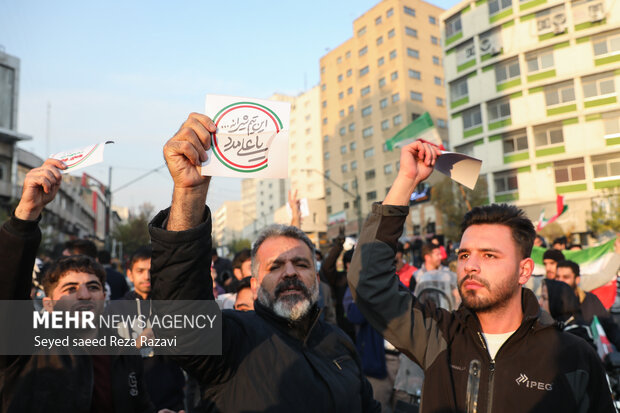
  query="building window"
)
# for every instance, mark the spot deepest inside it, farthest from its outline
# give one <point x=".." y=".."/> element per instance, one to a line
<point x="441" y="123"/>
<point x="606" y="166"/>
<point x="351" y="108"/>
<point x="411" y="32"/>
<point x="324" y="121"/>
<point x="439" y="101"/>
<point x="496" y="6"/>
<point x="346" y="204"/>
<point x="453" y="25"/>
<point x="340" y="78"/>
<point x="414" y="74"/>
<point x="569" y="170"/>
<point x="341" y="95"/>
<point x="382" y="82"/>
<point x="350" y="91"/>
<point x="322" y="69"/>
<point x="328" y="191"/>
<point x="351" y="127"/>
<point x="515" y="143"/>
<point x="365" y="90"/>
<point x="595" y="87"/>
<point x="560" y="94"/>
<point x="385" y="124"/>
<point x="324" y="104"/>
<point x="611" y="123"/>
<point x="344" y="167"/>
<point x="498" y="110"/>
<point x="432" y="20"/>
<point x="394" y="75"/>
<point x="606" y="45"/>
<point x="505" y="182"/>
<point x="413" y="53"/>
<point x="367" y="132"/>
<point x="417" y="96"/>
<point x="391" y="33"/>
<point x="341" y="113"/>
<point x="507" y="71"/>
<point x="437" y="81"/>
<point x="352" y="146"/>
<point x="349" y="72"/>
<point x="387" y="169"/>
<point x="378" y="20"/>
<point x="409" y="11"/>
<point x="397" y="120"/>
<point x="383" y="103"/>
<point x="326" y="138"/>
<point x="434" y="40"/>
<point x="435" y="60"/>
<point x="326" y="156"/>
<point x="323" y="87"/>
<point x="339" y="60"/>
<point x="361" y="31"/>
<point x="548" y="135"/>
<point x="471" y="118"/>
<point x="343" y="149"/>
<point x="368" y="153"/>
<point x="363" y="51"/>
<point x="395" y="97"/>
<point x="539" y="61"/>
<point x="393" y="54"/>
<point x="389" y="13"/>
<point x="379" y="40"/>
<point x="348" y="54"/>
<point x="343" y="130"/>
<point x="367" y="110"/>
<point x="353" y="165"/>
<point x="328" y="173"/>
<point x="364" y="70"/>
<point x="371" y="196"/>
<point x="370" y="174"/>
<point x="380" y="61"/>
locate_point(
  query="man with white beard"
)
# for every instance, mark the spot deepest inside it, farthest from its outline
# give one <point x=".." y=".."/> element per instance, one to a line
<point x="280" y="357"/>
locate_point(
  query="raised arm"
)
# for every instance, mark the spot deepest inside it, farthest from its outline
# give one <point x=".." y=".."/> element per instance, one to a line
<point x="294" y="203"/>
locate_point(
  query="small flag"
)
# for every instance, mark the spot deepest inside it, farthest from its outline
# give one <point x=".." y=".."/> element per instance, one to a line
<point x="560" y="209"/>
<point x="603" y="345"/>
<point x="421" y="128"/>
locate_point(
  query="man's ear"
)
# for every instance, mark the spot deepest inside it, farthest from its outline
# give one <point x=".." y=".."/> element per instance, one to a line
<point x="237" y="273"/>
<point x="578" y="279"/>
<point x="526" y="268"/>
<point x="48" y="304"/>
<point x="254" y="286"/>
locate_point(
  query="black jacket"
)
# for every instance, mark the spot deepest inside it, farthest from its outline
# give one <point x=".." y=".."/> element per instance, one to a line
<point x="268" y="363"/>
<point x="52" y="383"/>
<point x="538" y="369"/>
<point x="591" y="306"/>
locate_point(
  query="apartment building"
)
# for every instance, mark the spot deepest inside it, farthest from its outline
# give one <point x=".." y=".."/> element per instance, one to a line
<point x="227" y="225"/>
<point x="372" y="86"/>
<point x="533" y="93"/>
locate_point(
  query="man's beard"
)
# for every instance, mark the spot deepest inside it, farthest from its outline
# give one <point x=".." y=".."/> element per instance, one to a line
<point x="497" y="298"/>
<point x="290" y="306"/>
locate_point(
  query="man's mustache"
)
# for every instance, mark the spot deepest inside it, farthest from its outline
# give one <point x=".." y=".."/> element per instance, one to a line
<point x="291" y="283"/>
<point x="477" y="279"/>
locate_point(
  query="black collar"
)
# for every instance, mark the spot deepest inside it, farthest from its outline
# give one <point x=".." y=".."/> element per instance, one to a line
<point x="299" y="329"/>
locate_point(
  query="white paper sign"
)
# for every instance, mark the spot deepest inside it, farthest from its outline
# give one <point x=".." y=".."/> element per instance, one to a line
<point x="459" y="167"/>
<point x="81" y="158"/>
<point x="251" y="140"/>
<point x="303" y="208"/>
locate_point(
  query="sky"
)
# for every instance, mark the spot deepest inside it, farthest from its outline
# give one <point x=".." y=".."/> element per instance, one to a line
<point x="132" y="71"/>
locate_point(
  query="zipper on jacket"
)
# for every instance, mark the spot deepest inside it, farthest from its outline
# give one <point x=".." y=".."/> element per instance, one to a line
<point x="491" y="382"/>
<point x="337" y="364"/>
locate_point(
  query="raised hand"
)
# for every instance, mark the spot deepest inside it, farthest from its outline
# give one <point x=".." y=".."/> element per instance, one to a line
<point x="40" y="187"/>
<point x="295" y="205"/>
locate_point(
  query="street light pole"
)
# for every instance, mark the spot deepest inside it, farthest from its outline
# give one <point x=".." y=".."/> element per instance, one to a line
<point x="357" y="200"/>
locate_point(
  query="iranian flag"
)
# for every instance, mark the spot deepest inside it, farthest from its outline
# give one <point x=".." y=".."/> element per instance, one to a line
<point x="422" y="128"/>
<point x="560" y="209"/>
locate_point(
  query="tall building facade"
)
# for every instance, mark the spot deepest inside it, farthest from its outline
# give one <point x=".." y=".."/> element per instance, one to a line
<point x="533" y="93"/>
<point x="227" y="225"/>
<point x="372" y="86"/>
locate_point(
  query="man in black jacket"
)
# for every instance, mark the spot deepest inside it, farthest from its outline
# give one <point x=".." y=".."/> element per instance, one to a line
<point x="54" y="383"/>
<point x="278" y="358"/>
<point x="497" y="352"/>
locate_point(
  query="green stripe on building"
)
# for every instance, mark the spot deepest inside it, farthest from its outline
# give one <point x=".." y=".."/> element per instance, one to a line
<point x="459" y="102"/>
<point x="472" y="74"/>
<point x="600" y="102"/>
<point x="570" y="121"/>
<point x="594" y="116"/>
<point x="606" y="60"/>
<point x="528" y="17"/>
<point x="466" y="9"/>
<point x="454" y="38"/>
<point x="612" y="141"/>
<point x="456" y="115"/>
<point x="450" y="51"/>
<point x="466" y="65"/>
<point x="587" y="25"/>
<point x="516" y="95"/>
<point x="479" y="2"/>
<point x="531" y="4"/>
<point x="561" y="109"/>
<point x="533" y="90"/>
<point x="583" y="39"/>
<point x="516" y="157"/>
<point x="507" y="197"/>
<point x="472" y="132"/>
<point x="494" y="138"/>
<point x="607" y="184"/>
<point x="500" y="16"/>
<point x="508" y="85"/>
<point x="544" y="165"/>
<point x="570" y="188"/>
<point x="524" y="169"/>
<point x="489" y="67"/>
<point x="479" y="142"/>
<point x="547" y="36"/>
<point x="561" y="45"/>
<point x="500" y="124"/>
<point x="550" y="151"/>
<point x="508" y="24"/>
<point x="541" y="75"/>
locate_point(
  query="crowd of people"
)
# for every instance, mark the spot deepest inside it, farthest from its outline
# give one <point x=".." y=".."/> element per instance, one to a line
<point x="383" y="326"/>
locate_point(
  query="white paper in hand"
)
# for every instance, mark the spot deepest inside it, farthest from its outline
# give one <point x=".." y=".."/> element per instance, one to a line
<point x="303" y="208"/>
<point x="459" y="167"/>
<point x="81" y="158"/>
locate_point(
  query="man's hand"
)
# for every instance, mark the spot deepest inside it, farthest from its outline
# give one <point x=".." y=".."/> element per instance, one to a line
<point x="184" y="154"/>
<point x="40" y="187"/>
<point x="416" y="164"/>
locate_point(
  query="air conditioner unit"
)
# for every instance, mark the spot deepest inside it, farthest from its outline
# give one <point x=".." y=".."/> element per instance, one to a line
<point x="597" y="15"/>
<point x="495" y="50"/>
<point x="559" y="29"/>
